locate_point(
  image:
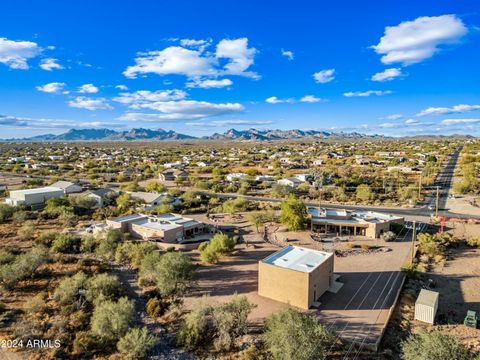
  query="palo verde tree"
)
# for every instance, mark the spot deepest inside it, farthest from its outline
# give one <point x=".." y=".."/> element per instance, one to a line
<point x="294" y="214"/>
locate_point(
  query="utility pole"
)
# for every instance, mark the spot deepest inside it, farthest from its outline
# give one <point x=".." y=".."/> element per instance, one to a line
<point x="420" y="187"/>
<point x="414" y="238"/>
<point x="437" y="201"/>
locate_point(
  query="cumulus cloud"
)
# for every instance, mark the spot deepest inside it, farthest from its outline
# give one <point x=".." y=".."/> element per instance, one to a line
<point x="137" y="98"/>
<point x="288" y="54"/>
<point x="393" y="117"/>
<point x="209" y="83"/>
<point x="182" y="110"/>
<point x="449" y="122"/>
<point x="411" y="42"/>
<point x="387" y="74"/>
<point x="239" y="54"/>
<point x="83" y="102"/>
<point x="53" y="88"/>
<point x="88" y="89"/>
<point x="195" y="62"/>
<point x="15" y="54"/>
<point x="275" y="100"/>
<point x="194" y="43"/>
<point x="367" y="93"/>
<point x="50" y="64"/>
<point x="457" y="109"/>
<point x="121" y="87"/>
<point x="324" y="76"/>
<point x="310" y="99"/>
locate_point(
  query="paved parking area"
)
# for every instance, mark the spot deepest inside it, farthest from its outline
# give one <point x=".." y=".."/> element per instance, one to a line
<point x="359" y="312"/>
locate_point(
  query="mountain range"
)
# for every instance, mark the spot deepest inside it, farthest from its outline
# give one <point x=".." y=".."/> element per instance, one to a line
<point x="141" y="134"/>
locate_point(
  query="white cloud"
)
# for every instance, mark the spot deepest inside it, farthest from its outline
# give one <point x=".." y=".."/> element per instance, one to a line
<point x="288" y="54"/>
<point x="137" y="98"/>
<point x="324" y="76"/>
<point x="88" y="89"/>
<point x="172" y="60"/>
<point x="209" y="83"/>
<point x="121" y="87"/>
<point x="196" y="62"/>
<point x="216" y="123"/>
<point x="457" y="109"/>
<point x="367" y="93"/>
<point x="53" y="88"/>
<point x="182" y="110"/>
<point x="412" y="122"/>
<point x="411" y="42"/>
<point x="275" y="100"/>
<point x="387" y="74"/>
<point x="50" y="64"/>
<point x="448" y="122"/>
<point x="393" y="117"/>
<point x="387" y="125"/>
<point x="15" y="54"/>
<point x="83" y="102"/>
<point x="194" y="43"/>
<point x="310" y="99"/>
<point x="240" y="55"/>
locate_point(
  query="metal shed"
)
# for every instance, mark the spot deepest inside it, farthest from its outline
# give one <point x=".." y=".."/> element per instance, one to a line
<point x="426" y="306"/>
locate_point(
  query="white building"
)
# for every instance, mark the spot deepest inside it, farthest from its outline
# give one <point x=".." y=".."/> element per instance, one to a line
<point x="236" y="176"/>
<point x="264" y="178"/>
<point x="38" y="196"/>
<point x="292" y="182"/>
<point x="426" y="306"/>
<point x="68" y="187"/>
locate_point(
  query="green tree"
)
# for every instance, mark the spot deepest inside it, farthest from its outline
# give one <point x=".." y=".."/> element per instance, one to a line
<point x="147" y="274"/>
<point x="293" y="214"/>
<point x="433" y="345"/>
<point x="364" y="193"/>
<point x="103" y="286"/>
<point x="174" y="273"/>
<point x="220" y="245"/>
<point x="293" y="335"/>
<point x="69" y="289"/>
<point x="197" y="325"/>
<point x="258" y="218"/>
<point x="155" y="186"/>
<point x="111" y="320"/>
<point x="136" y="343"/>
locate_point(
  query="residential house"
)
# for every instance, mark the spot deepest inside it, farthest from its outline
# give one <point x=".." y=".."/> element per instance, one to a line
<point x="68" y="187"/>
<point x="172" y="175"/>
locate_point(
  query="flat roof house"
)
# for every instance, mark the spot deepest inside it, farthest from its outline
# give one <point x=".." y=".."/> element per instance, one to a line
<point x="168" y="228"/>
<point x="32" y="197"/>
<point x="295" y="275"/>
<point x="351" y="222"/>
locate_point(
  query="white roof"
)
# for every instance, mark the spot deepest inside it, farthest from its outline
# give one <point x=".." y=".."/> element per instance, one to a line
<point x="297" y="258"/>
<point x="37" y="190"/>
<point x="427" y="298"/>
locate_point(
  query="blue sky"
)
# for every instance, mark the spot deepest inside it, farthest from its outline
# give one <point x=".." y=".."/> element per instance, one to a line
<point x="394" y="68"/>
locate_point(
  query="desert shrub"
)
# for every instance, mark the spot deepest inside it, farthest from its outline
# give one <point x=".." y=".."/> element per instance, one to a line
<point x="220" y="245"/>
<point x="68" y="292"/>
<point x="147" y="274"/>
<point x="133" y="253"/>
<point x="108" y="245"/>
<point x="111" y="320"/>
<point x="65" y="244"/>
<point x="411" y="271"/>
<point x="6" y="212"/>
<point x="23" y="266"/>
<point x="104" y="286"/>
<point x="157" y="307"/>
<point x="197" y="325"/>
<point x="230" y="321"/>
<point x="26" y="232"/>
<point x="474" y="241"/>
<point x="85" y="343"/>
<point x="88" y="244"/>
<point x="293" y="335"/>
<point x="349" y="245"/>
<point x="35" y="305"/>
<point x="364" y="247"/>
<point x="433" y="345"/>
<point x="6" y="257"/>
<point x="388" y="236"/>
<point x="46" y="238"/>
<point x="136" y="343"/>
